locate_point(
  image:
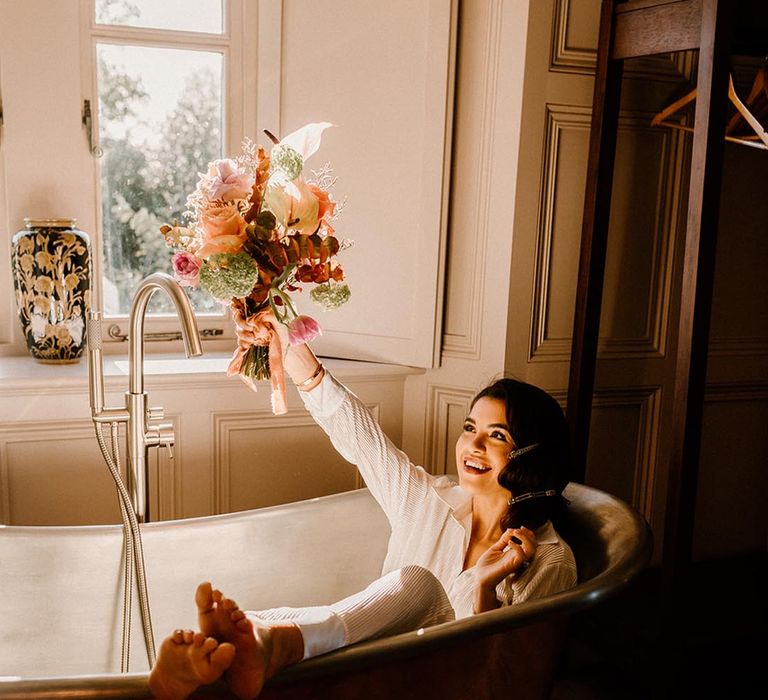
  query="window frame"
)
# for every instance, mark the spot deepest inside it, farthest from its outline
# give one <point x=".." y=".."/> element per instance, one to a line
<point x="217" y="329"/>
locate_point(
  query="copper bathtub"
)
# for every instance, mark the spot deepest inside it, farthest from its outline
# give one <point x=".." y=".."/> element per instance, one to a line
<point x="61" y="601"/>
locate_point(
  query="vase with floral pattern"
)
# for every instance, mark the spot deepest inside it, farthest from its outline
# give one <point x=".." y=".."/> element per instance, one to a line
<point x="52" y="275"/>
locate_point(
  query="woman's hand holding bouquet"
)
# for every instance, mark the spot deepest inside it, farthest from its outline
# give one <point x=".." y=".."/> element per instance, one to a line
<point x="259" y="232"/>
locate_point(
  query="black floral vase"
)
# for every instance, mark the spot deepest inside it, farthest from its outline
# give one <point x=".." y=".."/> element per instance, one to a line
<point x="52" y="277"/>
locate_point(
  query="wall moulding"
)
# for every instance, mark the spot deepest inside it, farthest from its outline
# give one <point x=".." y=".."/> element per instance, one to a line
<point x="738" y="346"/>
<point x="736" y="391"/>
<point x="564" y="121"/>
<point x="446" y="405"/>
<point x="164" y="477"/>
<point x="35" y="432"/>
<point x="40" y="434"/>
<point x="648" y="401"/>
<point x="579" y="56"/>
<point x="463" y="331"/>
<point x="226" y="425"/>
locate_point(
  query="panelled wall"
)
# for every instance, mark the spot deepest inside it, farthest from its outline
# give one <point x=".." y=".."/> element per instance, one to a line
<point x="522" y="185"/>
<point x="230" y="454"/>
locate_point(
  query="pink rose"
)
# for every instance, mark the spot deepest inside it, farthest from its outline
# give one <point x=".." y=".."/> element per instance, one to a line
<point x="303" y="329"/>
<point x="227" y="181"/>
<point x="223" y="230"/>
<point x="186" y="268"/>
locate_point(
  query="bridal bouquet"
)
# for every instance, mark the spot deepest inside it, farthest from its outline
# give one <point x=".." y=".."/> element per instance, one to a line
<point x="260" y="230"/>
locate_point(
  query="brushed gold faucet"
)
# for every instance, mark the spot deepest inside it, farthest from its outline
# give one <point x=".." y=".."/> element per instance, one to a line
<point x="142" y="429"/>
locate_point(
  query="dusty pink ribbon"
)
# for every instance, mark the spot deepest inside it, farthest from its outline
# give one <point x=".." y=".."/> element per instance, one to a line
<point x="260" y="329"/>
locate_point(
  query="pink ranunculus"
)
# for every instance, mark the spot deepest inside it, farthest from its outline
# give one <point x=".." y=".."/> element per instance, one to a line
<point x="186" y="268"/>
<point x="227" y="181"/>
<point x="223" y="231"/>
<point x="303" y="329"/>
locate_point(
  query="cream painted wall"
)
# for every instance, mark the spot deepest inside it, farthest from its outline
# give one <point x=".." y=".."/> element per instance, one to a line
<point x="490" y="75"/>
<point x="47" y="172"/>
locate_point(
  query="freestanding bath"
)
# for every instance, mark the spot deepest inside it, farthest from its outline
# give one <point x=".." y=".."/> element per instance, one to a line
<point x="60" y="600"/>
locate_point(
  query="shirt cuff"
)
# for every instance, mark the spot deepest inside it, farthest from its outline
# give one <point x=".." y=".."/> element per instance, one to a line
<point x="324" y="399"/>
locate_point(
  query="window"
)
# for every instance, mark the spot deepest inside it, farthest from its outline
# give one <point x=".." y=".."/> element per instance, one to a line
<point x="162" y="77"/>
<point x="381" y="71"/>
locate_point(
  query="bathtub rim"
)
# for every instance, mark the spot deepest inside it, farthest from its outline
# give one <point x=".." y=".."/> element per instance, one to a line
<point x="359" y="656"/>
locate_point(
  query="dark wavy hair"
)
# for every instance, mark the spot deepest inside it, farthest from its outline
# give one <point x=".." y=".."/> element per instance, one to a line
<point x="533" y="417"/>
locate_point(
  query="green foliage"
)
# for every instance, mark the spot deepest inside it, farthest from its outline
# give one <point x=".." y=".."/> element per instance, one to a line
<point x="144" y="186"/>
<point x="119" y="92"/>
<point x="226" y="275"/>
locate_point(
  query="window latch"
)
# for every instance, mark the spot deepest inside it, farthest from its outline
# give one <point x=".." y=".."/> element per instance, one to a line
<point x="93" y="144"/>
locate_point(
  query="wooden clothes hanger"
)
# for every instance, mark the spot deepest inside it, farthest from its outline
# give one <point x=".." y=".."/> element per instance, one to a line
<point x="757" y="101"/>
<point x="758" y="96"/>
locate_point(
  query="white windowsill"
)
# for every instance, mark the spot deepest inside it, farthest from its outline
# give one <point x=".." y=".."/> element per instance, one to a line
<point x="25" y="375"/>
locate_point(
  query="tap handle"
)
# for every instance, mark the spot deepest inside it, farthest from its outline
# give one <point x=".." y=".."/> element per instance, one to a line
<point x="93" y="330"/>
<point x="167" y="438"/>
<point x="95" y="368"/>
<point x="156" y="413"/>
<point x="160" y="435"/>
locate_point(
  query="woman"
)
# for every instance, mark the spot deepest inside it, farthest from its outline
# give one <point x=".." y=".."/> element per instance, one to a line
<point x="455" y="550"/>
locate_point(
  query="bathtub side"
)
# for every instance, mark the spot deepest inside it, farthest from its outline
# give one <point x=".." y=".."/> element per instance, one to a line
<point x="61" y="587"/>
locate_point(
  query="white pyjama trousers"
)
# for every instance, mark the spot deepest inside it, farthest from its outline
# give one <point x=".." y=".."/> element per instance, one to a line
<point x="401" y="601"/>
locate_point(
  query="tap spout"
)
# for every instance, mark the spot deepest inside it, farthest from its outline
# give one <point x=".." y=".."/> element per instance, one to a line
<point x="189" y="331"/>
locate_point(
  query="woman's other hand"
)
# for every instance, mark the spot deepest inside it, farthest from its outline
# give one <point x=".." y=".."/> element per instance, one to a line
<point x="509" y="555"/>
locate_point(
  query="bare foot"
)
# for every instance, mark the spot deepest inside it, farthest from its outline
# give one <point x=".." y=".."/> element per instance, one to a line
<point x="186" y="661"/>
<point x="220" y="617"/>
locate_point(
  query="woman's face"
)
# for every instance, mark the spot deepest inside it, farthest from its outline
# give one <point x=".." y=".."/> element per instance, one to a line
<point x="483" y="447"/>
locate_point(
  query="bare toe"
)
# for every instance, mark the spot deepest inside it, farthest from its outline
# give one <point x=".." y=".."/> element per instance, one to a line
<point x="204" y="597"/>
<point x="207" y="664"/>
<point x="185" y="662"/>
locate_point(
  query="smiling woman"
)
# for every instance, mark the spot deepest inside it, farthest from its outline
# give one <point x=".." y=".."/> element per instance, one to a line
<point x="522" y="428"/>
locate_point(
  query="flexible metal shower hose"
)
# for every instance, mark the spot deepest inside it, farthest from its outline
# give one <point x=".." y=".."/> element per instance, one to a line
<point x="133" y="552"/>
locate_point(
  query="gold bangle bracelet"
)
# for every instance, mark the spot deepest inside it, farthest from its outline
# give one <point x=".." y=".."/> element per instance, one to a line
<point x="314" y="376"/>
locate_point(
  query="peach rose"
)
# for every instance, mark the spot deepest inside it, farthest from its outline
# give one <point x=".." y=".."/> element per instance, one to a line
<point x="223" y="231"/>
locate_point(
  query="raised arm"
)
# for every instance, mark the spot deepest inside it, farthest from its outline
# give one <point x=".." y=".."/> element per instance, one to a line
<point x="394" y="481"/>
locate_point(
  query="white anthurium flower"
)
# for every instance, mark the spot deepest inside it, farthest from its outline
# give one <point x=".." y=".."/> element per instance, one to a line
<point x="306" y="141"/>
<point x="294" y="205"/>
<point x="278" y="202"/>
<point x="289" y="155"/>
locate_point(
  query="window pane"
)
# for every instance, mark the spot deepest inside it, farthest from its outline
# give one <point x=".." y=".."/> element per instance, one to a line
<point x="180" y="15"/>
<point x="160" y="123"/>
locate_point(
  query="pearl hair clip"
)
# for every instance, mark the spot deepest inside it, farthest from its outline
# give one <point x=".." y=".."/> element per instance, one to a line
<point x="532" y="494"/>
<point x="516" y="453"/>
